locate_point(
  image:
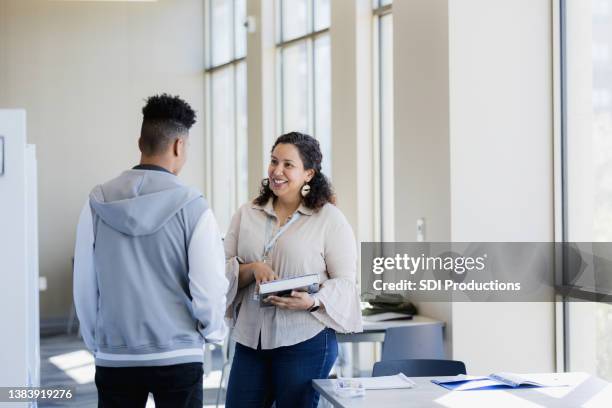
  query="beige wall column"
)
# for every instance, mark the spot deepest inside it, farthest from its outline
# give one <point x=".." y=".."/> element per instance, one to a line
<point x="422" y="151"/>
<point x="422" y="134"/>
<point x="261" y="83"/>
<point x="352" y="164"/>
<point x="352" y="167"/>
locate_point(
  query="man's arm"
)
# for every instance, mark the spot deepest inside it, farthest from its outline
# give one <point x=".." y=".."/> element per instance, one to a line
<point x="85" y="285"/>
<point x="207" y="282"/>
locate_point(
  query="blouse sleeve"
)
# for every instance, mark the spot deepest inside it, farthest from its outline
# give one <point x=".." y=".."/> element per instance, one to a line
<point x="232" y="269"/>
<point x="339" y="294"/>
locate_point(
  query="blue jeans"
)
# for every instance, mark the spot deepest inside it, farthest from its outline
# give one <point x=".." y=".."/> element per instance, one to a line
<point x="283" y="375"/>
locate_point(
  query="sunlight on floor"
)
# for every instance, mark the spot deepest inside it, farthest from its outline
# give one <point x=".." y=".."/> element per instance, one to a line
<point x="489" y="398"/>
<point x="601" y="399"/>
<point x="78" y="365"/>
<point x="212" y="380"/>
<point x="573" y="380"/>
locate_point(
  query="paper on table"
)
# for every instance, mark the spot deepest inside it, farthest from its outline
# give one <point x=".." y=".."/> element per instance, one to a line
<point x="537" y="380"/>
<point x="387" y="382"/>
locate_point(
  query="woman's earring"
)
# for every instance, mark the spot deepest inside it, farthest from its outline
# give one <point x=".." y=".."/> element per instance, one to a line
<point x="265" y="182"/>
<point x="305" y="190"/>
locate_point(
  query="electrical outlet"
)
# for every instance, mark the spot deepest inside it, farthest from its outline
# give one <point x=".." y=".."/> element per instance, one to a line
<point x="251" y="24"/>
<point x="42" y="283"/>
<point x="420" y="230"/>
<point x="1" y="155"/>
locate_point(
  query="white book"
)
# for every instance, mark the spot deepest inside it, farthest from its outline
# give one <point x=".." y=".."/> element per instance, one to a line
<point x="284" y="287"/>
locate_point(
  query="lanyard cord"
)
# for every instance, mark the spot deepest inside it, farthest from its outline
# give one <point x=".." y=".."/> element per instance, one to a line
<point x="268" y="247"/>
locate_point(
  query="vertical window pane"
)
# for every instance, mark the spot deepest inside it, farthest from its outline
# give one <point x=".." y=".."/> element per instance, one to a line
<point x="380" y="3"/>
<point x="386" y="125"/>
<point x="588" y="166"/>
<point x="294" y="18"/>
<point x="295" y="87"/>
<point x="239" y="28"/>
<point x="322" y="102"/>
<point x="221" y="23"/>
<point x="241" y="134"/>
<point x="223" y="146"/>
<point x="322" y="14"/>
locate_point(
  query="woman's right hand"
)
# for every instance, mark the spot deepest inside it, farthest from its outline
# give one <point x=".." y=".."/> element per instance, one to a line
<point x="262" y="272"/>
<point x="256" y="271"/>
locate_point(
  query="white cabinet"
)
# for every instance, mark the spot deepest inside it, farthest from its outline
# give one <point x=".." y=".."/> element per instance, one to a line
<point x="19" y="315"/>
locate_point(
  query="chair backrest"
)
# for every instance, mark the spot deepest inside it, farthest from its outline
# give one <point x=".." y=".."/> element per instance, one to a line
<point x="421" y="341"/>
<point x="419" y="368"/>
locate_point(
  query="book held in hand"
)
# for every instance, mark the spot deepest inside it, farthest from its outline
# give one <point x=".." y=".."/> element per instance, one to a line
<point x="497" y="381"/>
<point x="284" y="287"/>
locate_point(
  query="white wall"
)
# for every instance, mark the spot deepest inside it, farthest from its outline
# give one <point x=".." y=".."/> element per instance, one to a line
<point x="502" y="166"/>
<point x="81" y="70"/>
<point x="474" y="154"/>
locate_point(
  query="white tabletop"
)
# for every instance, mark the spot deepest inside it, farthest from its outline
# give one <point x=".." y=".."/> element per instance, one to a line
<point x="586" y="391"/>
<point x="375" y="331"/>
<point x="416" y="320"/>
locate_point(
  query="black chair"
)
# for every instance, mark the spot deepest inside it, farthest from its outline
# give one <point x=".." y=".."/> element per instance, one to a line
<point x="419" y="368"/>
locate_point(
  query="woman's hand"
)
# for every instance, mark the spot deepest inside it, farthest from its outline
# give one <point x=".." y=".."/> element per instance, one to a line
<point x="262" y="272"/>
<point x="297" y="301"/>
<point x="256" y="271"/>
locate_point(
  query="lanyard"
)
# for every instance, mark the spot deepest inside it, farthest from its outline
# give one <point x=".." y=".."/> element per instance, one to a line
<point x="268" y="247"/>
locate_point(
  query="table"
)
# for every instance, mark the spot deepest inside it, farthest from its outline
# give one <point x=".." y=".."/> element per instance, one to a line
<point x="585" y="391"/>
<point x="375" y="331"/>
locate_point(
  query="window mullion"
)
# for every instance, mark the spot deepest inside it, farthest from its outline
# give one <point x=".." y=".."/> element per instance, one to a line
<point x="313" y="88"/>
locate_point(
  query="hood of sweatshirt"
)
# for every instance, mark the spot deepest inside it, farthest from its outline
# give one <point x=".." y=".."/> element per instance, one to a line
<point x="140" y="202"/>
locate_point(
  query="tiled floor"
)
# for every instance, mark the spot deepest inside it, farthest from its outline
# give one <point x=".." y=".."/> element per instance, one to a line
<point x="64" y="361"/>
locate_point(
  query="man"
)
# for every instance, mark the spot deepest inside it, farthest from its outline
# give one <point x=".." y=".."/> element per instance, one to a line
<point x="149" y="281"/>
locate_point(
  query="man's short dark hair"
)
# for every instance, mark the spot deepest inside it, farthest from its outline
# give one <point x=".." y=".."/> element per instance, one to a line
<point x="165" y="118"/>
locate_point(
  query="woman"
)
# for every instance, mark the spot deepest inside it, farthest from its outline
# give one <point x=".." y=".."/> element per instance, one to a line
<point x="281" y="349"/>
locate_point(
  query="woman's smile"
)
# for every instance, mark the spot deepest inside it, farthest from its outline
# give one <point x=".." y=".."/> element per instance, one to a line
<point x="278" y="183"/>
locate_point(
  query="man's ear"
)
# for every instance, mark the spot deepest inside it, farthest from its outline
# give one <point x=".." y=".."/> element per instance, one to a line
<point x="178" y="146"/>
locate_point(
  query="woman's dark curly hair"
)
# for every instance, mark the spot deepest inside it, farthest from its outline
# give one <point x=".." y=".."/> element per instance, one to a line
<point x="321" y="191"/>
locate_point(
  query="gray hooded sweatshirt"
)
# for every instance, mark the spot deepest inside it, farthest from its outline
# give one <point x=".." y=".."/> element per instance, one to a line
<point x="149" y="272"/>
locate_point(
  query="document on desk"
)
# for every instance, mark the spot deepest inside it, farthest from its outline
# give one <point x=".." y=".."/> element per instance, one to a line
<point x="496" y="381"/>
<point x="388" y="382"/>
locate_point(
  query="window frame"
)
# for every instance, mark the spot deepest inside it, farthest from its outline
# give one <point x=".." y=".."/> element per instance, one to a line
<point x="562" y="313"/>
<point x="383" y="225"/>
<point x="209" y="71"/>
<point x="562" y="198"/>
<point x="309" y="39"/>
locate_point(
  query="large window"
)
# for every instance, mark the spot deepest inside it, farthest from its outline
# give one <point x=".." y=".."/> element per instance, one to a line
<point x="226" y="106"/>
<point x="304" y="71"/>
<point x="587" y="167"/>
<point x="383" y="118"/>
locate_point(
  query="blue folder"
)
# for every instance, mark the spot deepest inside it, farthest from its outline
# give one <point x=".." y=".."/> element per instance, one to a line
<point x="494" y="382"/>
